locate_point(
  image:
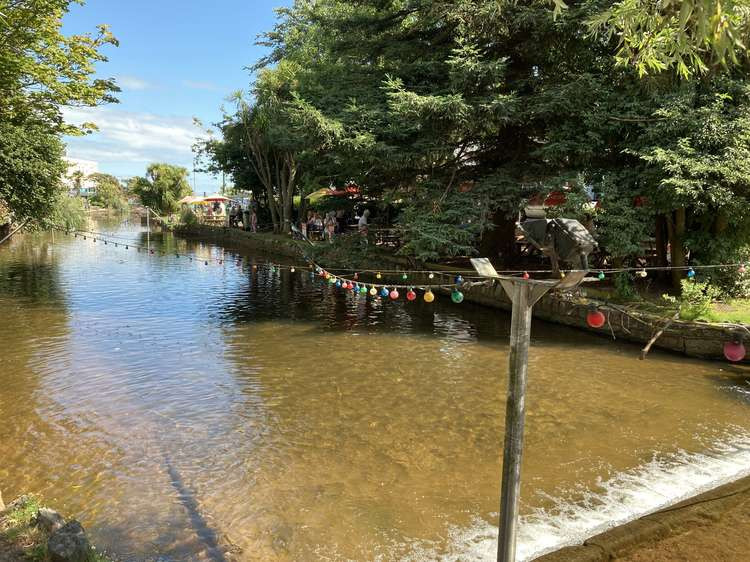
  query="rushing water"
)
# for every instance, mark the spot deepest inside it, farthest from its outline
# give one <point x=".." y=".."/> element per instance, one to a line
<point x="194" y="412"/>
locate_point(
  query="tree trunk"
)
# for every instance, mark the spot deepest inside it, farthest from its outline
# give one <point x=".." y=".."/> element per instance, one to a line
<point x="499" y="243"/>
<point x="676" y="228"/>
<point x="661" y="244"/>
<point x="721" y="223"/>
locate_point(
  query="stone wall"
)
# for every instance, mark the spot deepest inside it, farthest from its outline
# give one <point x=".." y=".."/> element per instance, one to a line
<point x="694" y="339"/>
<point x="268" y="243"/>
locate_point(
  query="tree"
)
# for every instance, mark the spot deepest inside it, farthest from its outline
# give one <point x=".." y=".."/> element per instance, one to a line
<point x="31" y="168"/>
<point x="696" y="156"/>
<point x="227" y="154"/>
<point x="460" y="110"/>
<point x="41" y="71"/>
<point x="162" y="187"/>
<point x="109" y="192"/>
<point x="692" y="37"/>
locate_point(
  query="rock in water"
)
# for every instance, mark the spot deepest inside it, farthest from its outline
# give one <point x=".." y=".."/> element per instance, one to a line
<point x="69" y="544"/>
<point x="49" y="520"/>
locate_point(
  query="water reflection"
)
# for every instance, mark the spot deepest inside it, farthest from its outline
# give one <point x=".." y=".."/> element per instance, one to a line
<point x="204" y="412"/>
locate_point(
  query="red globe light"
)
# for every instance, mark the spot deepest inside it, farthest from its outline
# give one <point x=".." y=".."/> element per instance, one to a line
<point x="596" y="319"/>
<point x="734" y="351"/>
<point x="411" y="295"/>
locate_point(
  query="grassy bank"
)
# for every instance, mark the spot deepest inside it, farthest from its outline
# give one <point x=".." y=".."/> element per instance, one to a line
<point x="732" y="311"/>
<point x="22" y="537"/>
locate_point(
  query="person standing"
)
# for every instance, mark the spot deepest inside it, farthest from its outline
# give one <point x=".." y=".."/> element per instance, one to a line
<point x="254" y="214"/>
<point x="330" y="225"/>
<point x="362" y="226"/>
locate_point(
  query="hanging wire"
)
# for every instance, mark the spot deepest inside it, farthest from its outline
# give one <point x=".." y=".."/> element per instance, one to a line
<point x="344" y="273"/>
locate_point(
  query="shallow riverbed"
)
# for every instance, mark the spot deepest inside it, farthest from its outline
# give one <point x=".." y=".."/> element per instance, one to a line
<point x="220" y="412"/>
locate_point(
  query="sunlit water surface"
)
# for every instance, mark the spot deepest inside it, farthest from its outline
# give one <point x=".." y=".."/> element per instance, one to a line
<point x="192" y="412"/>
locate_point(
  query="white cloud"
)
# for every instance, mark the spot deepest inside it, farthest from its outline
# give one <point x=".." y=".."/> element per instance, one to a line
<point x="127" y="138"/>
<point x="198" y="85"/>
<point x="132" y="83"/>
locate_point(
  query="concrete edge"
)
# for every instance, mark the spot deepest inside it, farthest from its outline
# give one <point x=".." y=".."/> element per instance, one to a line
<point x="703" y="509"/>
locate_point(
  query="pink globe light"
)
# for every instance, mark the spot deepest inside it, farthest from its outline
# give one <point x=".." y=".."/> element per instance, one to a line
<point x="734" y="351"/>
<point x="596" y="319"/>
<point x="394" y="294"/>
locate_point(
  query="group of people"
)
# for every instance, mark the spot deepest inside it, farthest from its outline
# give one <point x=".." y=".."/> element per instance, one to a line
<point x="247" y="215"/>
<point x="334" y="222"/>
<point x="315" y="227"/>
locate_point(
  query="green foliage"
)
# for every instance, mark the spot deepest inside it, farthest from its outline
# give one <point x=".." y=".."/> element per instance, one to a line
<point x="625" y="291"/>
<point x="696" y="299"/>
<point x="734" y="311"/>
<point x="442" y="224"/>
<point x="688" y="36"/>
<point x="346" y="251"/>
<point x="31" y="168"/>
<point x="188" y="218"/>
<point x="19" y="527"/>
<point x="68" y="213"/>
<point x="162" y="187"/>
<point x="730" y="281"/>
<point x="24" y="512"/>
<point x="42" y="70"/>
<point x="620" y="225"/>
<point x="109" y="193"/>
<point x="458" y="111"/>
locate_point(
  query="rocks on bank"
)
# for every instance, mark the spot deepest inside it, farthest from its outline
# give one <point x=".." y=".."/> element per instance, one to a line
<point x="30" y="531"/>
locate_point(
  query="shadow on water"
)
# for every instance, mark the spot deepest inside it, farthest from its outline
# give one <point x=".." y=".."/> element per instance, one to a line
<point x="36" y="282"/>
<point x="204" y="532"/>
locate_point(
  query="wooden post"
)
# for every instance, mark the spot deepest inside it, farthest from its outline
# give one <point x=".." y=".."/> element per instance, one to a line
<point x="523" y="294"/>
<point x="520" y="333"/>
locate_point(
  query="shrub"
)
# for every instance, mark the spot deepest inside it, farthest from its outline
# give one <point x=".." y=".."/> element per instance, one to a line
<point x="695" y="299"/>
<point x="188" y="218"/>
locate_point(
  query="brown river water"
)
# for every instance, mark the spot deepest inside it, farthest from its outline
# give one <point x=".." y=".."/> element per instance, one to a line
<point x="192" y="412"/>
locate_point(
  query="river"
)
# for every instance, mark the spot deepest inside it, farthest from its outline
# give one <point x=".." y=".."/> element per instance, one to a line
<point x="185" y="411"/>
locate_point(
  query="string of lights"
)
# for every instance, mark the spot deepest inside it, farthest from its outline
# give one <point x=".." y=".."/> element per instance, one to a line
<point x="379" y="286"/>
<point x="354" y="284"/>
<point x="353" y="274"/>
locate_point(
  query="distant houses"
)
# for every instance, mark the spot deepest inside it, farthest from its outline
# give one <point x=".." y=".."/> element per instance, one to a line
<point x="77" y="181"/>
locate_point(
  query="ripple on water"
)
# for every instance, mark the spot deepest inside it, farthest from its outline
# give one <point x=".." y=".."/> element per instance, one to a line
<point x="186" y="411"/>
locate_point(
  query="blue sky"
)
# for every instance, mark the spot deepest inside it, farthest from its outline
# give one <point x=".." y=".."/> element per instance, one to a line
<point x="176" y="60"/>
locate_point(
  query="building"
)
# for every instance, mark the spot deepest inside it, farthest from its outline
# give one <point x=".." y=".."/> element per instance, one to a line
<point x="76" y="179"/>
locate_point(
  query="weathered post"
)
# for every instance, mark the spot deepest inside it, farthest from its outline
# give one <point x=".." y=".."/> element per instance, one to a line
<point x="520" y="334"/>
<point x="570" y="241"/>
